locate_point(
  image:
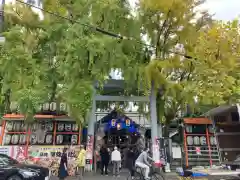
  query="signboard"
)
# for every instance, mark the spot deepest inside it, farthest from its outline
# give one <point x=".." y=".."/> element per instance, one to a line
<point x="5" y="150"/>
<point x="46" y="156"/>
<point x="49" y="156"/>
<point x="88" y="161"/>
<point x="198" y="150"/>
<point x="17" y="152"/>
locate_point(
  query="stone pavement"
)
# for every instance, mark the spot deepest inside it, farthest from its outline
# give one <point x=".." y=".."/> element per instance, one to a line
<point x="123" y="176"/>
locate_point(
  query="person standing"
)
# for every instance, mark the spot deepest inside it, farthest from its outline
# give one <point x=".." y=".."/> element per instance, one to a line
<point x="116" y="160"/>
<point x="104" y="160"/>
<point x="63" y="172"/>
<point x="131" y="158"/>
<point x="98" y="158"/>
<point x="81" y="161"/>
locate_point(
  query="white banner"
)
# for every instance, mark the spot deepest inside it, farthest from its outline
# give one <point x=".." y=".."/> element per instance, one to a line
<point x="5" y="150"/>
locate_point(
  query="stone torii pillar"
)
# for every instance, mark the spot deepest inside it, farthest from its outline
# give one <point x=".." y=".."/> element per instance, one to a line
<point x="155" y="127"/>
<point x="90" y="138"/>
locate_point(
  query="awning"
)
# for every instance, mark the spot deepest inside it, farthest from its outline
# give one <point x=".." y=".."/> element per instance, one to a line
<point x="220" y="109"/>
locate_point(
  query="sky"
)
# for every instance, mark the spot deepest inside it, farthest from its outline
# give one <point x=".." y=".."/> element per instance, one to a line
<point x="223" y="9"/>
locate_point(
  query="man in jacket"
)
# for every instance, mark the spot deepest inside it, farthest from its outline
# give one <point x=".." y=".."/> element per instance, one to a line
<point x="81" y="161"/>
<point x="116" y="160"/>
<point x="142" y="162"/>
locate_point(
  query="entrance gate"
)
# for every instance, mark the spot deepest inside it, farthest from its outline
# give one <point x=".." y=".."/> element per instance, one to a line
<point x="113" y="86"/>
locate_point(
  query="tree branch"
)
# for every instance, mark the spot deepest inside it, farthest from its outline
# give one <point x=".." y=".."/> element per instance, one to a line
<point x="160" y="30"/>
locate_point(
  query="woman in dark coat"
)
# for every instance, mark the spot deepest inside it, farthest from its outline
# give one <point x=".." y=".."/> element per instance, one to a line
<point x="105" y="158"/>
<point x="63" y="173"/>
<point x="130" y="161"/>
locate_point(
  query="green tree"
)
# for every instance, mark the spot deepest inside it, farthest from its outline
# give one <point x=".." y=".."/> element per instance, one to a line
<point x="218" y="56"/>
<point x="181" y="78"/>
<point x="58" y="60"/>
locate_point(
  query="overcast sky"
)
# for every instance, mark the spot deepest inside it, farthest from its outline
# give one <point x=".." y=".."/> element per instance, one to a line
<point x="223" y="9"/>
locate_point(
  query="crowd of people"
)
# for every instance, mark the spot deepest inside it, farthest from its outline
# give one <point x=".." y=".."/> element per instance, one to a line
<point x="106" y="156"/>
<point x="133" y="158"/>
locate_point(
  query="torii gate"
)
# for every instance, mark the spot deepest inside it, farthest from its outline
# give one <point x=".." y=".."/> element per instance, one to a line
<point x="119" y="85"/>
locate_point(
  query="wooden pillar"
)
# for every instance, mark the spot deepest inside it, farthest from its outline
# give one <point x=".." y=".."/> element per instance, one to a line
<point x="209" y="146"/>
<point x="185" y="146"/>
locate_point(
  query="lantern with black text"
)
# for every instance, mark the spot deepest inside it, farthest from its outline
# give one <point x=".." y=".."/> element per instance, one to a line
<point x="128" y="122"/>
<point x="59" y="139"/>
<point x="113" y="123"/>
<point x="46" y="106"/>
<point x="118" y="126"/>
<point x="22" y="139"/>
<point x="53" y="106"/>
<point x="49" y="139"/>
<point x="63" y="107"/>
<point x="74" y="139"/>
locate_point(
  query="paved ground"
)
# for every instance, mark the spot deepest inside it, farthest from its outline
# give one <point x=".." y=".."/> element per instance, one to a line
<point x="123" y="176"/>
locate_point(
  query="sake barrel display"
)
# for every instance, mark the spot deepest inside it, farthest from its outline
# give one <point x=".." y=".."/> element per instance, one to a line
<point x="7" y="139"/>
<point x="33" y="139"/>
<point x="199" y="142"/>
<point x="196" y="140"/>
<point x="49" y="126"/>
<point x="74" y="139"/>
<point x="68" y="127"/>
<point x="41" y="132"/>
<point x="190" y="140"/>
<point x="188" y="128"/>
<point x="49" y="139"/>
<point x="9" y="126"/>
<point x="60" y="126"/>
<point x="59" y="139"/>
<point x="75" y="127"/>
<point x="22" y="139"/>
<point x="203" y="140"/>
<point x="213" y="140"/>
<point x="15" y="139"/>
